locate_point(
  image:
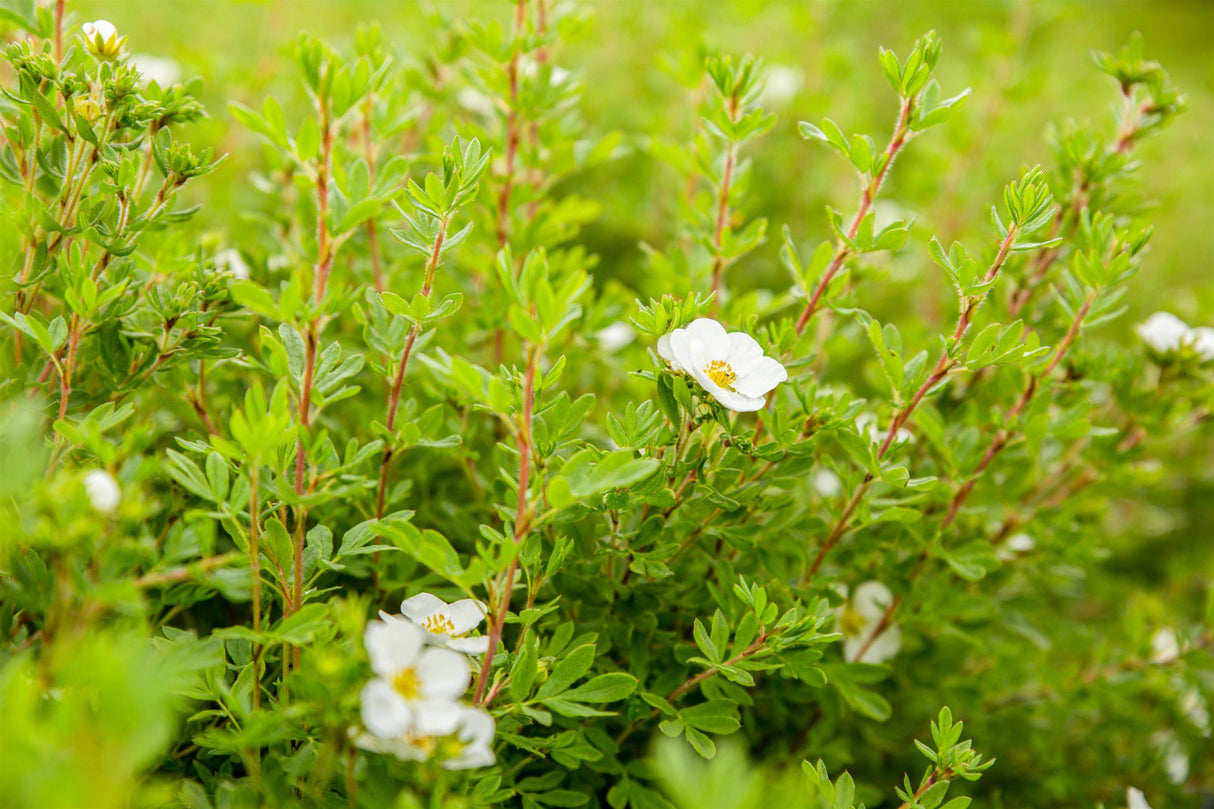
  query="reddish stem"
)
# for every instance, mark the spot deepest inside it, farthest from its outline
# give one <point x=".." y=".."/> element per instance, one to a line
<point x="896" y="143"/>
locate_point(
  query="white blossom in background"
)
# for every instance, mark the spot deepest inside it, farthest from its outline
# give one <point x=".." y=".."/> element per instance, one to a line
<point x="1165" y="645"/>
<point x="231" y="262"/>
<point x="461" y="737"/>
<point x="616" y="336"/>
<point x="415" y="686"/>
<point x="476" y="102"/>
<point x="827" y="484"/>
<point x="445" y="624"/>
<point x="1165" y="332"/>
<point x="160" y="69"/>
<point x="1203" y="341"/>
<point x="101" y="39"/>
<point x="278" y="261"/>
<point x="860" y="617"/>
<point x="102" y="491"/>
<point x="1172" y="755"/>
<point x="780" y="86"/>
<point x="867" y="422"/>
<point x="730" y="366"/>
<point x="1135" y="799"/>
<point x="1015" y="545"/>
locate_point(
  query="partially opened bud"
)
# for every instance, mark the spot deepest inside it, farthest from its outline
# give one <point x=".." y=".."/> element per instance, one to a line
<point x="102" y="40"/>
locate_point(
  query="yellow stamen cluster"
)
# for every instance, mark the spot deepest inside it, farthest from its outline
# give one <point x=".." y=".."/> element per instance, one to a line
<point x="407" y="683"/>
<point x="719" y="371"/>
<point x="439" y="624"/>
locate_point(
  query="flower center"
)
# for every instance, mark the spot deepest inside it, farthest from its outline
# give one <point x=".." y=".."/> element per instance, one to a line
<point x="719" y="371"/>
<point x="407" y="683"/>
<point x="439" y="624"/>
<point x="426" y="744"/>
<point x="450" y="746"/>
<point x="851" y="622"/>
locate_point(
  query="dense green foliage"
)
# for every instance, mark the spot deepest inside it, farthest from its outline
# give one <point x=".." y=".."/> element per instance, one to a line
<point x="535" y="307"/>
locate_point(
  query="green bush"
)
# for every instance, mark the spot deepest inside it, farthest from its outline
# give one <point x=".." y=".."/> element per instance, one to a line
<point x="529" y="319"/>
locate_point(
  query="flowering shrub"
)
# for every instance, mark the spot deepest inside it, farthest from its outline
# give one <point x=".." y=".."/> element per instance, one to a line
<point x="706" y="537"/>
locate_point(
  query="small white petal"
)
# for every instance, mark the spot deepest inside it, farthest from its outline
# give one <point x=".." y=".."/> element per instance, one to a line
<point x="618" y="335"/>
<point x="1165" y="645"/>
<point x="420" y="606"/>
<point x="707" y="340"/>
<point x="392" y="645"/>
<point x="743" y="349"/>
<point x="474" y="755"/>
<point x="884" y="646"/>
<point x="444" y="674"/>
<point x="827" y="483"/>
<point x="1135" y="799"/>
<point x="384" y="712"/>
<point x="477" y="726"/>
<point x="1202" y="339"/>
<point x="436" y="717"/>
<point x="478" y="645"/>
<point x="760" y="377"/>
<point x="103" y="28"/>
<point x="162" y="70"/>
<point x="1163" y="331"/>
<point x="871" y="600"/>
<point x="780" y="86"/>
<point x="465" y="614"/>
<point x="666" y="352"/>
<point x="102" y="490"/>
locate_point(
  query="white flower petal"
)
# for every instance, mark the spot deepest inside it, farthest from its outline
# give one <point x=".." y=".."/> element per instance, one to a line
<point x="1163" y="331"/>
<point x="1165" y="645"/>
<point x="444" y="674"/>
<point x="421" y="605"/>
<point x="871" y="600"/>
<point x="731" y="399"/>
<point x="384" y="712"/>
<point x="465" y="614"/>
<point x="103" y="28"/>
<point x="703" y="341"/>
<point x="477" y="726"/>
<point x="760" y="376"/>
<point x="102" y="490"/>
<point x="1202" y="338"/>
<point x="617" y="336"/>
<point x="827" y="483"/>
<point x="474" y="755"/>
<point x="884" y="646"/>
<point x="1135" y="799"/>
<point x="743" y="349"/>
<point x="666" y="352"/>
<point x="436" y="717"/>
<point x="478" y="645"/>
<point x="392" y="645"/>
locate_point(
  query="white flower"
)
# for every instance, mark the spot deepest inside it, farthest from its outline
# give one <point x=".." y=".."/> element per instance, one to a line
<point x="1015" y="545"/>
<point x="1172" y="752"/>
<point x="230" y="261"/>
<point x="476" y="102"/>
<point x="101" y="38"/>
<point x="730" y="366"/>
<point x="859" y="619"/>
<point x="615" y="336"/>
<point x="1135" y="799"/>
<point x="102" y="490"/>
<point x="1202" y="338"/>
<point x="827" y="483"/>
<point x="780" y="86"/>
<point x="160" y="69"/>
<point x="415" y="686"/>
<point x="1163" y="331"/>
<point x="460" y="735"/>
<point x="1165" y="645"/>
<point x="446" y="624"/>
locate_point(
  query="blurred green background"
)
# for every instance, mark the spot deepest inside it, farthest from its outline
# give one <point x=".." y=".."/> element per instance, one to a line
<point x="1027" y="63"/>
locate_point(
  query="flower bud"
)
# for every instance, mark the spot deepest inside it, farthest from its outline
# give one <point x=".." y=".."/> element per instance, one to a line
<point x="102" y="40"/>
